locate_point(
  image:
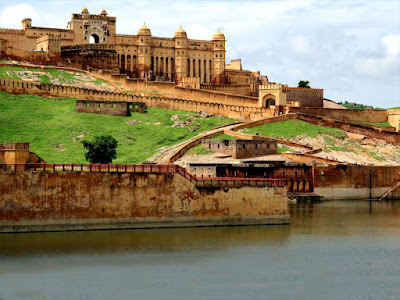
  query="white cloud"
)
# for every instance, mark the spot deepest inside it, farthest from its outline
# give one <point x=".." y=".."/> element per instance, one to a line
<point x="385" y="65"/>
<point x="11" y="16"/>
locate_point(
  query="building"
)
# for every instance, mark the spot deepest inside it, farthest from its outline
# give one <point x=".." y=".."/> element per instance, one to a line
<point x="140" y="56"/>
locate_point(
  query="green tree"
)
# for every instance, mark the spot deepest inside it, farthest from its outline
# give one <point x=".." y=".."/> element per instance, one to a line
<point x="101" y="150"/>
<point x="304" y="84"/>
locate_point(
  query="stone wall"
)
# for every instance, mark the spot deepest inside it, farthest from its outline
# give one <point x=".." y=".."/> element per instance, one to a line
<point x="113" y="108"/>
<point x="355" y="182"/>
<point x="305" y="97"/>
<point x="218" y="108"/>
<point x="47" y="201"/>
<point x="378" y="132"/>
<point x="236" y="89"/>
<point x="394" y="118"/>
<point x="241" y="148"/>
<point x="353" y="115"/>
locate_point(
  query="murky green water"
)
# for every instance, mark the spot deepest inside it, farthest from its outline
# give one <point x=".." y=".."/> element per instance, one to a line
<point x="332" y="250"/>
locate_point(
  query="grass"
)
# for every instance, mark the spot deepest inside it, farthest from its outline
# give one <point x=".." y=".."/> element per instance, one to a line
<point x="47" y="123"/>
<point x="63" y="77"/>
<point x="290" y="129"/>
<point x="284" y="148"/>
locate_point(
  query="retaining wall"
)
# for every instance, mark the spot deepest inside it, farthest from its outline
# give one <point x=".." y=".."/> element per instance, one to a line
<point x="55" y="201"/>
<point x="354" y="115"/>
<point x="355" y="182"/>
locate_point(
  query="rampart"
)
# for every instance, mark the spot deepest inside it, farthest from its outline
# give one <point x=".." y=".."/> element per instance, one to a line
<point x="233" y="111"/>
<point x="377" y="132"/>
<point x="348" y="115"/>
<point x="67" y="200"/>
<point x="37" y="57"/>
<point x="305" y="97"/>
<point x="237" y="89"/>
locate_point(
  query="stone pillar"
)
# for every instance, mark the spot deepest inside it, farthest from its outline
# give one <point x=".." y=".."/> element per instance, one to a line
<point x="191" y="68"/>
<point x="202" y="71"/>
<point x="169" y="67"/>
<point x="164" y="66"/>
<point x="207" y="71"/>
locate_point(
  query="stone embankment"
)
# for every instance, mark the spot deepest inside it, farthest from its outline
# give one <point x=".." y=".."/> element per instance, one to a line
<point x="81" y="197"/>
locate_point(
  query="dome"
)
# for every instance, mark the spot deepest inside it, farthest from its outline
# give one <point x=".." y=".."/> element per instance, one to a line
<point x="85" y="11"/>
<point x="180" y="33"/>
<point x="103" y="12"/>
<point x="144" y="30"/>
<point x="218" y="36"/>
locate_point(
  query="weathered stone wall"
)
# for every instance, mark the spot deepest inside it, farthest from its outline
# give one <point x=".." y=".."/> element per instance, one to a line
<point x="354" y="115"/>
<point x="236" y="89"/>
<point x="394" y="118"/>
<point x="306" y="97"/>
<point x="381" y="133"/>
<point x="38" y="201"/>
<point x="113" y="108"/>
<point x="241" y="148"/>
<point x="355" y="182"/>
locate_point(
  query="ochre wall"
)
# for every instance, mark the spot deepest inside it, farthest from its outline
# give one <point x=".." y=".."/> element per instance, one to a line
<point x="36" y="201"/>
<point x="219" y="108"/>
<point x="306" y="97"/>
<point x="394" y="118"/>
<point x="353" y="182"/>
<point x="354" y="115"/>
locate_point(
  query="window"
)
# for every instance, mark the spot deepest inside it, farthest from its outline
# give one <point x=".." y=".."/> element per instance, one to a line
<point x="244" y="146"/>
<point x="218" y="145"/>
<point x="209" y="146"/>
<point x="226" y="143"/>
<point x="256" y="145"/>
<point x="114" y="105"/>
<point x="87" y="105"/>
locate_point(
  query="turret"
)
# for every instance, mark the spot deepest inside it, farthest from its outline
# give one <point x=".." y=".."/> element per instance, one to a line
<point x="144" y="51"/>
<point x="218" y="72"/>
<point x="181" y="44"/>
<point x="26" y="23"/>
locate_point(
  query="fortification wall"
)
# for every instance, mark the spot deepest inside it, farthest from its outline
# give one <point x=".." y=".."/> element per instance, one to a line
<point x="36" y="57"/>
<point x="22" y="87"/>
<point x="305" y="97"/>
<point x="394" y="118"/>
<point x="355" y="182"/>
<point x="352" y="115"/>
<point x="242" y="90"/>
<point x="381" y="133"/>
<point x="47" y="201"/>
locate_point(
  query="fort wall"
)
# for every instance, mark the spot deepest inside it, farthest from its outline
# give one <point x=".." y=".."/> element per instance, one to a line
<point x="55" y="201"/>
<point x="352" y="115"/>
<point x="229" y="110"/>
<point x="355" y="182"/>
<point x="394" y="118"/>
<point x="306" y="97"/>
<point x="377" y="132"/>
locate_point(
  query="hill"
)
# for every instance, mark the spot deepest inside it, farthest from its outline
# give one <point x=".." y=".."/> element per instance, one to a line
<point x="54" y="130"/>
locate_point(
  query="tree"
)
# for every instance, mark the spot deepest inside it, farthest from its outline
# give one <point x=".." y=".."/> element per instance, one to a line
<point x="304" y="84"/>
<point x="101" y="150"/>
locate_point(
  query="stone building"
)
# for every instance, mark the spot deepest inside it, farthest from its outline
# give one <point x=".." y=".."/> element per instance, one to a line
<point x="139" y="56"/>
<point x="241" y="148"/>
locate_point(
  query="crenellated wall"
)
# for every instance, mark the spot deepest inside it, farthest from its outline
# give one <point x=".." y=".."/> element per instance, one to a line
<point x="214" y="107"/>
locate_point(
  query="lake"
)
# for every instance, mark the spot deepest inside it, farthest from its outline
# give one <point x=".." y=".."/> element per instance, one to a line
<point x="331" y="250"/>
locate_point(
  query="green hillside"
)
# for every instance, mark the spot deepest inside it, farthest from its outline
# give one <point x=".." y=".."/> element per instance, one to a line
<point x="54" y="130"/>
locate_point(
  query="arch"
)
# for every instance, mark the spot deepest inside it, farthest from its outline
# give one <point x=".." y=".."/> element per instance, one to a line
<point x="268" y="100"/>
<point x="94" y="39"/>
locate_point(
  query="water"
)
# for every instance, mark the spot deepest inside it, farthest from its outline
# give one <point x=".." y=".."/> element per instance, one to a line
<point x="332" y="250"/>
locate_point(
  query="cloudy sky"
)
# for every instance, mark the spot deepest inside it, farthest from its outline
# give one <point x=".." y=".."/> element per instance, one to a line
<point x="351" y="49"/>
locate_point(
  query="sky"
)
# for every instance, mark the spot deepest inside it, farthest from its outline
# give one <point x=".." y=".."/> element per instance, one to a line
<point x="350" y="48"/>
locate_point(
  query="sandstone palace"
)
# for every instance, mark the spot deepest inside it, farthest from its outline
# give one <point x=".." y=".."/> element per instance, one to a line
<point x="91" y="43"/>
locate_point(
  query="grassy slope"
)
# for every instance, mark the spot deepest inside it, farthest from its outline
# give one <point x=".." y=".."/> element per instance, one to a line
<point x="62" y="76"/>
<point x="48" y="122"/>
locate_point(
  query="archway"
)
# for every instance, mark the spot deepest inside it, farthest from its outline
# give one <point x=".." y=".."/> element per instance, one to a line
<point x="268" y="101"/>
<point x="94" y="39"/>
